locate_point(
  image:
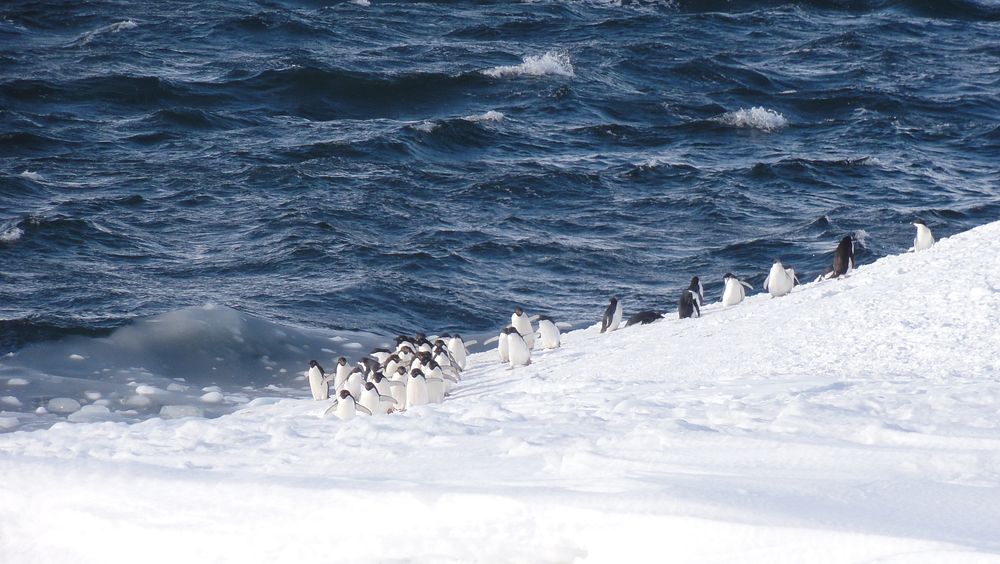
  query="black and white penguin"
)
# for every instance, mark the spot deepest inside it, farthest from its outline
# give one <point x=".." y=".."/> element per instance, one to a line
<point x="517" y="350"/>
<point x="548" y="333"/>
<point x="643" y="318"/>
<point x="346" y="407"/>
<point x="373" y="401"/>
<point x="520" y="321"/>
<point x="780" y="280"/>
<point x="397" y="387"/>
<point x="843" y="260"/>
<point x="343" y="371"/>
<point x="734" y="291"/>
<point x="416" y="389"/>
<point x="612" y="316"/>
<point x="688" y="305"/>
<point x="924" y="239"/>
<point x="318" y="384"/>
<point x="698" y="290"/>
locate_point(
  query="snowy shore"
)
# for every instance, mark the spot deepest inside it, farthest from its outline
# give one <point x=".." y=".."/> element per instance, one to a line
<point x="853" y="420"/>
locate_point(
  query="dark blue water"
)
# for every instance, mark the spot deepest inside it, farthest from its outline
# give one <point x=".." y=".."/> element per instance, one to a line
<point x="405" y="166"/>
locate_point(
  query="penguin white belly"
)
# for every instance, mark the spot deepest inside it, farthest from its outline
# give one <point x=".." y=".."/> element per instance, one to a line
<point x="416" y="392"/>
<point x="435" y="390"/>
<point x="520" y="354"/>
<point x="345" y="409"/>
<point x="354" y="383"/>
<point x="549" y="334"/>
<point x="371" y="400"/>
<point x="457" y="348"/>
<point x="397" y="389"/>
<point x="317" y="385"/>
<point x="523" y="326"/>
<point x="383" y="387"/>
<point x="924" y="239"/>
<point x="734" y="293"/>
<point x="779" y="282"/>
<point x="502" y="348"/>
<point x="342" y="373"/>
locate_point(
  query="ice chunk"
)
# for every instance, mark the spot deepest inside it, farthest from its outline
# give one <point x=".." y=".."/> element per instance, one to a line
<point x="17" y="382"/>
<point x="11" y="401"/>
<point x="63" y="405"/>
<point x="178" y="411"/>
<point x="8" y="422"/>
<point x="212" y="397"/>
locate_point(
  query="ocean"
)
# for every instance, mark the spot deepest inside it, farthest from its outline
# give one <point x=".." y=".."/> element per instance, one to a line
<point x="213" y="193"/>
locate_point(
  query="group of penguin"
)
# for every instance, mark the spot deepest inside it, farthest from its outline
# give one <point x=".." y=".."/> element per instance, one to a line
<point x="779" y="282"/>
<point x="420" y="372"/>
<point x="417" y="372"/>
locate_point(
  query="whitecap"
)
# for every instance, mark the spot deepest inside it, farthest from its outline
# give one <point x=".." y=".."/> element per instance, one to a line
<point x="756" y="117"/>
<point x="31" y="175"/>
<point x="551" y="63"/>
<point x="426" y="126"/>
<point x="112" y="28"/>
<point x="491" y="115"/>
<point x="365" y="3"/>
<point x="11" y="235"/>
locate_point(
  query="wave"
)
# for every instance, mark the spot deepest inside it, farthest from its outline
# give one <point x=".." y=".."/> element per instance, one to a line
<point x="11" y="234"/>
<point x="756" y="118"/>
<point x="491" y="115"/>
<point x="552" y="63"/>
<point x="116" y="27"/>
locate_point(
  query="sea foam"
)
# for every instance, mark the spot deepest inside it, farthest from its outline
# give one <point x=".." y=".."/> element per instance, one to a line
<point x="756" y="117"/>
<point x="551" y="63"/>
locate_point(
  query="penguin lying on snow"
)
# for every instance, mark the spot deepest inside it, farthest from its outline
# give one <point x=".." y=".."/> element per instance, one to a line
<point x="644" y="318"/>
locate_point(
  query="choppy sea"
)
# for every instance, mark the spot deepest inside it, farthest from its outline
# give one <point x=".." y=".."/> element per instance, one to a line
<point x="205" y="194"/>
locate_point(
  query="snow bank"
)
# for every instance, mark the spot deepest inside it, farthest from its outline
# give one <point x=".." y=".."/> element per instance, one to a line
<point x="852" y="420"/>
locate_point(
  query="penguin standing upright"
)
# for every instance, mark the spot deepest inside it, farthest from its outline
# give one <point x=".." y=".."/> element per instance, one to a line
<point x="698" y="290"/>
<point x="780" y="280"/>
<point x="343" y="371"/>
<point x="612" y="316"/>
<point x="688" y="305"/>
<point x="517" y="349"/>
<point x="345" y="406"/>
<point x="375" y="402"/>
<point x="548" y="333"/>
<point x="457" y="347"/>
<point x="924" y="238"/>
<point x="520" y="321"/>
<point x="397" y="387"/>
<point x="318" y="384"/>
<point x="416" y="389"/>
<point x="502" y="346"/>
<point x="843" y="260"/>
<point x="734" y="291"/>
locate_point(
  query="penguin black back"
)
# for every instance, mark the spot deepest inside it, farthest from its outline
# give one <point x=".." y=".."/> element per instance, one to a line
<point x="843" y="259"/>
<point x="609" y="314"/>
<point x="688" y="305"/>
<point x="643" y="318"/>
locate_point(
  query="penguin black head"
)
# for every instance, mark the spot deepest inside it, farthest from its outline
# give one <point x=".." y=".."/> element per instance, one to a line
<point x="344" y="394"/>
<point x="369" y="386"/>
<point x="919" y="222"/>
<point x="432" y="365"/>
<point x="419" y="336"/>
<point x="314" y="364"/>
<point x="416" y="372"/>
<point x="439" y="343"/>
<point x="342" y="361"/>
<point x="444" y="336"/>
<point x="613" y="300"/>
<point x="777" y="261"/>
<point x="379" y="377"/>
<point x="695" y="284"/>
<point x="544" y="318"/>
<point x="456" y="336"/>
<point x="518" y="311"/>
<point x="401" y="370"/>
<point x="727" y="276"/>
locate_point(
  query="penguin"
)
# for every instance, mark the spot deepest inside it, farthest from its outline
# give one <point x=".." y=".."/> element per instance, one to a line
<point x="924" y="239"/>
<point x="698" y="290"/>
<point x="345" y="406"/>
<point x="502" y="346"/>
<point x="416" y="389"/>
<point x="380" y="354"/>
<point x="397" y="387"/>
<point x="457" y="347"/>
<point x="735" y="290"/>
<point x="381" y="382"/>
<point x="780" y="280"/>
<point x="375" y="402"/>
<point x="318" y="383"/>
<point x="518" y="351"/>
<point x="548" y="333"/>
<point x="354" y="381"/>
<point x="439" y="382"/>
<point x="644" y="318"/>
<point x="843" y="260"/>
<point x="612" y="316"/>
<point x="343" y="371"/>
<point x="688" y="305"/>
<point x="520" y="321"/>
<point x="390" y="364"/>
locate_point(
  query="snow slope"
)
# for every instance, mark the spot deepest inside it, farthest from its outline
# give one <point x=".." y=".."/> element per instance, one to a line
<point x="854" y="420"/>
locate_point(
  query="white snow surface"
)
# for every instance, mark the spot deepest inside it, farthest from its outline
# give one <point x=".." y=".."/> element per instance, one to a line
<point x="854" y="420"/>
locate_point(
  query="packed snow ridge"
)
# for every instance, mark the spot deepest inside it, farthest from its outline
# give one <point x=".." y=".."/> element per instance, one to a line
<point x="852" y="420"/>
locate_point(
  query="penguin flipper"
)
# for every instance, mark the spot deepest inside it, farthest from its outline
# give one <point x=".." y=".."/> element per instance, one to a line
<point x="330" y="409"/>
<point x="472" y="342"/>
<point x="363" y="409"/>
<point x="767" y="281"/>
<point x="450" y="377"/>
<point x="491" y="340"/>
<point x="747" y="285"/>
<point x="388" y="399"/>
<point x="434" y="379"/>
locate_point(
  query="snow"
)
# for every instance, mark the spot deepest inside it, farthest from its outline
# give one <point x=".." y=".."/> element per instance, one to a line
<point x="852" y="420"/>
